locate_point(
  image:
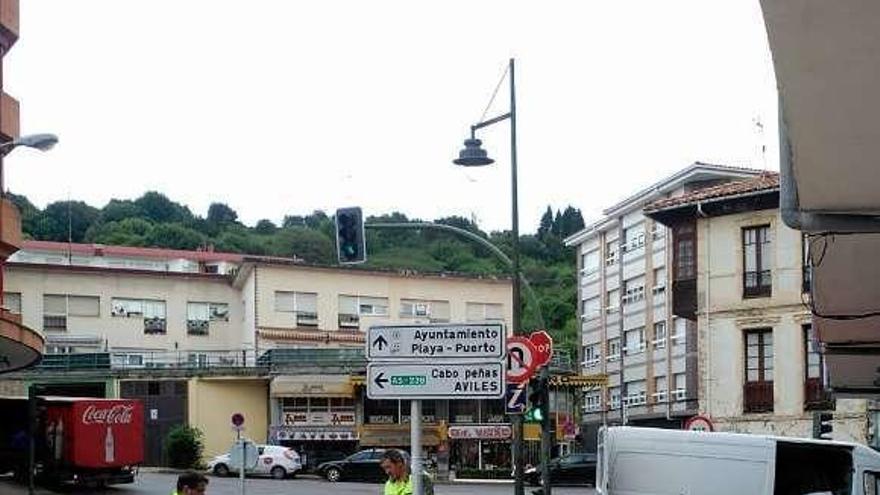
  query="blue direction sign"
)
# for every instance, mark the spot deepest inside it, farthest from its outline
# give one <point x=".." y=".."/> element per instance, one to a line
<point x="515" y="398"/>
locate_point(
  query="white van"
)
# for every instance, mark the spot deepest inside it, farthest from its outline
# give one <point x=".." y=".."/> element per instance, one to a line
<point x="642" y="461"/>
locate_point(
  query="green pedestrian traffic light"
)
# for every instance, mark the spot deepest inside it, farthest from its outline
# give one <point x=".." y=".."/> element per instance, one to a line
<point x="350" y="240"/>
<point x="537" y="402"/>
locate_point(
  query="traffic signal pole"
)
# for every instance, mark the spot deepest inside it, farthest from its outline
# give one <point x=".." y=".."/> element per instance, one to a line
<point x="546" y="440"/>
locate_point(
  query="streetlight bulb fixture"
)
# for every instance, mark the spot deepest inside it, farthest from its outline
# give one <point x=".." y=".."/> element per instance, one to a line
<point x="42" y="142"/>
<point x="473" y="155"/>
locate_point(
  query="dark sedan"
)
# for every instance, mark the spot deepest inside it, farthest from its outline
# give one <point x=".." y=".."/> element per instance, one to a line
<point x="360" y="466"/>
<point x="570" y="469"/>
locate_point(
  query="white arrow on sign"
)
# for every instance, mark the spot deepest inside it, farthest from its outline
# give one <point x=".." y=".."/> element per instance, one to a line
<point x="456" y="340"/>
<point x="462" y="380"/>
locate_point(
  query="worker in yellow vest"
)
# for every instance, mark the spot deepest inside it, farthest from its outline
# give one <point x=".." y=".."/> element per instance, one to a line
<point x="399" y="479"/>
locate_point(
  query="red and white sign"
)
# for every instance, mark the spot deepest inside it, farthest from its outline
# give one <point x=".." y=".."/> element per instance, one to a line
<point x="699" y="423"/>
<point x="97" y="433"/>
<point x="521" y="359"/>
<point x="543" y="343"/>
<point x="482" y="432"/>
<point x="119" y="414"/>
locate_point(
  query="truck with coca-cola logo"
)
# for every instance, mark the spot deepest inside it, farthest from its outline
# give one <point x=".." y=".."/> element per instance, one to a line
<point x="81" y="440"/>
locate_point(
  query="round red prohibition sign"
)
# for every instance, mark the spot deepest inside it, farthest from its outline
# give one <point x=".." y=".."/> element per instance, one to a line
<point x="521" y="359"/>
<point x="699" y="423"/>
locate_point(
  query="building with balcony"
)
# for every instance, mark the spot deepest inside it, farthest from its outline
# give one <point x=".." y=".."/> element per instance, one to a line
<point x="742" y="276"/>
<point x="629" y="330"/>
<point x="20" y="345"/>
<point x="199" y="335"/>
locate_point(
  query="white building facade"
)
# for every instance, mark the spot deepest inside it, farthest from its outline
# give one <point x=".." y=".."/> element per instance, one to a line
<point x="628" y="330"/>
<point x="760" y="370"/>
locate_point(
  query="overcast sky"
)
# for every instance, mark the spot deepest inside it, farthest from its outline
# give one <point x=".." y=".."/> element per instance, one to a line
<point x="277" y="107"/>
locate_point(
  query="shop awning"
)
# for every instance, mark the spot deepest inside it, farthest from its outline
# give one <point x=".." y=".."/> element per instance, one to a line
<point x="311" y="386"/>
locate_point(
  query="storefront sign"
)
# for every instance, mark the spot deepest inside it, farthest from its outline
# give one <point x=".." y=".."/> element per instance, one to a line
<point x="481" y="432"/>
<point x="319" y="419"/>
<point x="320" y="435"/>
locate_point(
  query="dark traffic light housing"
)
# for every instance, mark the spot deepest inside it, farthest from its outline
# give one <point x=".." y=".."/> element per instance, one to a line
<point x="351" y="245"/>
<point x="822" y="427"/>
<point x="538" y="409"/>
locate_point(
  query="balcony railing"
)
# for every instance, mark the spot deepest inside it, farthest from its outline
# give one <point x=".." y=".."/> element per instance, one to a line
<point x="758" y="397"/>
<point x="757" y="284"/>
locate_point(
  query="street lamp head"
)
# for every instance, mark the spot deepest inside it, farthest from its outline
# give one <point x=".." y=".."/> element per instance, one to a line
<point x="473" y="155"/>
<point x="41" y="142"/>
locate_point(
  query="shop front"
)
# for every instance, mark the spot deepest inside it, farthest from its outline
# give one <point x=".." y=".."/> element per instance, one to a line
<point x="483" y="447"/>
<point x="479" y="437"/>
<point x="314" y="415"/>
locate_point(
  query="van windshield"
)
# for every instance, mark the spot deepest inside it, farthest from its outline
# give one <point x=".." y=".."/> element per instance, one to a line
<point x="807" y="468"/>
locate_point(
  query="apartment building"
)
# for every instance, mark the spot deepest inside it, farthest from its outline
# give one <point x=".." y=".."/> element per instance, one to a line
<point x="199" y="335"/>
<point x="743" y="276"/>
<point x="628" y="330"/>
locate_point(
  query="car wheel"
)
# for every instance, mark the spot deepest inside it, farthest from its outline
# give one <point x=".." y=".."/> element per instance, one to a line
<point x="221" y="470"/>
<point x="334" y="475"/>
<point x="278" y="472"/>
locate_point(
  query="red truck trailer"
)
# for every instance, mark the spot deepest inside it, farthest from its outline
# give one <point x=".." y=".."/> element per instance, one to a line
<point x="81" y="440"/>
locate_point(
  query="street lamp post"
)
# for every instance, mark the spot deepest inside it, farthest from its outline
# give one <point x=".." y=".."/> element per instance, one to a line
<point x="474" y="156"/>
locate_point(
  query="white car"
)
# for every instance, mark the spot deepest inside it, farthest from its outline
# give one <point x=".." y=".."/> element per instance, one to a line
<point x="274" y="460"/>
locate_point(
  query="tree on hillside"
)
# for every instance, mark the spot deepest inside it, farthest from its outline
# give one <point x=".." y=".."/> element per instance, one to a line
<point x="125" y="232"/>
<point x="29" y="213"/>
<point x="221" y="214"/>
<point x="63" y="220"/>
<point x="308" y="244"/>
<point x="265" y="227"/>
<point x="158" y="208"/>
<point x="546" y="225"/>
<point x="120" y="209"/>
<point x="175" y="236"/>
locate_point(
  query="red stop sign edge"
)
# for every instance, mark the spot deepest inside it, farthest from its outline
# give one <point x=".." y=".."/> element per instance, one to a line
<point x="543" y="343"/>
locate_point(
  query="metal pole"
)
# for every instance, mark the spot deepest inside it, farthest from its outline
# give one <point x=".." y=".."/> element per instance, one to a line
<point x="545" y="431"/>
<point x="517" y="419"/>
<point x="243" y="462"/>
<point x="415" y="441"/>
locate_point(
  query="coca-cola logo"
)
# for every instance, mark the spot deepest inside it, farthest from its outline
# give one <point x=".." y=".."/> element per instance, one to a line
<point x="119" y="414"/>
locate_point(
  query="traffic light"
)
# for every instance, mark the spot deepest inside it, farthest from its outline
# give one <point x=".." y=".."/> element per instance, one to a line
<point x="822" y="425"/>
<point x="537" y="411"/>
<point x="350" y="241"/>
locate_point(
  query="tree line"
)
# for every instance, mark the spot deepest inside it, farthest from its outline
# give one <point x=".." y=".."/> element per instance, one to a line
<point x="154" y="220"/>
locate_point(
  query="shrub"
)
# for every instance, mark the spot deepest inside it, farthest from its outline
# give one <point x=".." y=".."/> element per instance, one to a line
<point x="183" y="447"/>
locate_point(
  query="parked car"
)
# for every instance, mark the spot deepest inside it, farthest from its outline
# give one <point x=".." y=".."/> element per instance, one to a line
<point x="274" y="460"/>
<point x="569" y="469"/>
<point x="363" y="465"/>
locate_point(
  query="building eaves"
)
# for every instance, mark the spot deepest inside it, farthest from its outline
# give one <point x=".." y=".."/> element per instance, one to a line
<point x="768" y="181"/>
<point x="662" y="187"/>
<point x="271" y="261"/>
<point x="673" y="181"/>
<point x="128" y="251"/>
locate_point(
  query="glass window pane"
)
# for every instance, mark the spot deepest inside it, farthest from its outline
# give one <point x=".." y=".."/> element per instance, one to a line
<point x="768" y="375"/>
